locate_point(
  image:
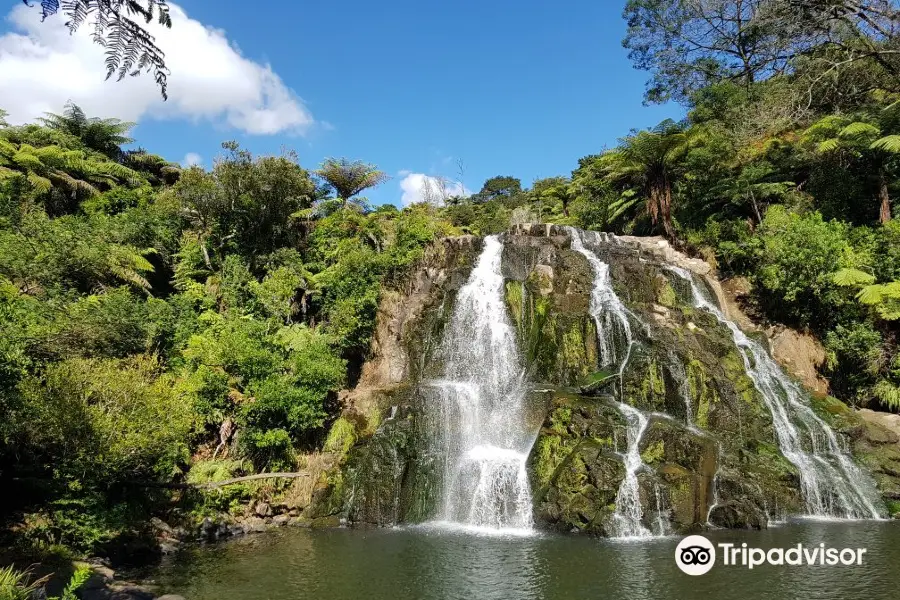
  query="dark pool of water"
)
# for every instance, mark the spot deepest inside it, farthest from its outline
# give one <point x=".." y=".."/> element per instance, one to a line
<point x="424" y="563"/>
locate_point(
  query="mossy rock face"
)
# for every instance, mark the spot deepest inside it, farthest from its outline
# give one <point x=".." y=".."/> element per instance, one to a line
<point x="548" y="296"/>
<point x="713" y="457"/>
<point x="710" y="449"/>
<point x="575" y="469"/>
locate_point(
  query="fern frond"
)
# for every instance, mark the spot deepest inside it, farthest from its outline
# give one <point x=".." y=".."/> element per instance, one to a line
<point x="887" y="393"/>
<point x="889" y="143"/>
<point x="829" y="145"/>
<point x="859" y="129"/>
<point x="41" y="184"/>
<point x="852" y="278"/>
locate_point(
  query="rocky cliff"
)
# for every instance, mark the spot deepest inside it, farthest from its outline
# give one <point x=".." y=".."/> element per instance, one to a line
<point x="709" y="451"/>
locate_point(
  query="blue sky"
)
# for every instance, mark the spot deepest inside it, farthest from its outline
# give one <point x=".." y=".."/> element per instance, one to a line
<point x="514" y="88"/>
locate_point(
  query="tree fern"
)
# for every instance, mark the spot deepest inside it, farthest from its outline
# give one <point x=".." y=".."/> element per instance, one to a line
<point x="859" y="129"/>
<point x="349" y="178"/>
<point x="129" y="264"/>
<point x="888" y="143"/>
<point x="852" y="278"/>
<point x="130" y="49"/>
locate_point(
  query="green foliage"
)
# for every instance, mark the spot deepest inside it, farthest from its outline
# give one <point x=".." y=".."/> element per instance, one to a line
<point x="341" y="437"/>
<point x="220" y="499"/>
<point x="16" y="585"/>
<point x="799" y="253"/>
<point x="111" y="419"/>
<point x="854" y="359"/>
<point x="349" y="178"/>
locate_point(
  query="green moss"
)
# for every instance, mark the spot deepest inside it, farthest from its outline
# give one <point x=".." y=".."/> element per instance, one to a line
<point x="702" y="391"/>
<point x="548" y="458"/>
<point x="515" y="302"/>
<point x="665" y="295"/>
<point x="341" y="437"/>
<point x="736" y="373"/>
<point x="373" y="422"/>
<point x="652" y="387"/>
<point x="576" y="358"/>
<point x="560" y="419"/>
<point x="653" y="453"/>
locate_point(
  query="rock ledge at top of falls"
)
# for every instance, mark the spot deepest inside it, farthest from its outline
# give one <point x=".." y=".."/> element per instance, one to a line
<point x="656" y="246"/>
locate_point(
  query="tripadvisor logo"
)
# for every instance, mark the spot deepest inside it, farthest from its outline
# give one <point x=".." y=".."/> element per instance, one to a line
<point x="696" y="555"/>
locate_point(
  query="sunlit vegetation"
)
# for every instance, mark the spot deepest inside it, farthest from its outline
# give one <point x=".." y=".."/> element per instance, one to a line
<point x="151" y="315"/>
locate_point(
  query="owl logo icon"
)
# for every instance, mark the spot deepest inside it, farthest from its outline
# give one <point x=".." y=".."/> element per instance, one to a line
<point x="695" y="555"/>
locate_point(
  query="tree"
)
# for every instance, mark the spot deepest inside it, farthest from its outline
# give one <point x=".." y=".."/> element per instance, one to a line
<point x="245" y="201"/>
<point x="130" y="49"/>
<point x="349" y="178"/>
<point x="554" y="191"/>
<point x="501" y="187"/>
<point x="70" y="175"/>
<point x="865" y="138"/>
<point x="689" y="44"/>
<point x="102" y="135"/>
<point x="646" y="160"/>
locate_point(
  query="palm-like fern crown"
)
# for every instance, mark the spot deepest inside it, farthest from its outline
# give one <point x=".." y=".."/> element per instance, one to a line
<point x="867" y="130"/>
<point x="102" y="135"/>
<point x="348" y="178"/>
<point x="129" y="48"/>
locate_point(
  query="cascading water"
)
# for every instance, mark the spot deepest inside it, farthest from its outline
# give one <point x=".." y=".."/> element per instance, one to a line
<point x="832" y="484"/>
<point x="611" y="319"/>
<point x="627" y="520"/>
<point x="480" y="408"/>
<point x="676" y="368"/>
<point x="607" y="310"/>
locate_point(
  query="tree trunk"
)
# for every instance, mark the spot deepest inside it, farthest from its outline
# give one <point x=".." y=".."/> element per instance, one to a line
<point x="660" y="206"/>
<point x="884" y="214"/>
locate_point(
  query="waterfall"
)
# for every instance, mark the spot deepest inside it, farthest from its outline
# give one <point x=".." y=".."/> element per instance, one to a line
<point x="480" y="408"/>
<point x="629" y="512"/>
<point x="610" y="315"/>
<point x="679" y="375"/>
<point x="832" y="484"/>
<point x="611" y="319"/>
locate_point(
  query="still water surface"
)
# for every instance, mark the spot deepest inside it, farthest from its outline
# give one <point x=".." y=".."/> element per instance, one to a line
<point x="422" y="563"/>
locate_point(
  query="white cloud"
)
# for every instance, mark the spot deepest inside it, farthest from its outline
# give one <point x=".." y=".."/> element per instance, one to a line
<point x="43" y="66"/>
<point x="192" y="158"/>
<point x="419" y="187"/>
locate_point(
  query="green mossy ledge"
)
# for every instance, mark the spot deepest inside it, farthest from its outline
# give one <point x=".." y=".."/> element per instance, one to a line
<point x="711" y="459"/>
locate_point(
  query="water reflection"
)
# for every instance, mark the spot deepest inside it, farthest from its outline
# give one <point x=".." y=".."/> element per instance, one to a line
<point x="445" y="565"/>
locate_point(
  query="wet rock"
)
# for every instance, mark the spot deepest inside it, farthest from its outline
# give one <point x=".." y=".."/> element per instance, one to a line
<point x="263" y="509"/>
<point x="281" y="520"/>
<point x="733" y="515"/>
<point x="719" y="449"/>
<point x="254" y="525"/>
<point x="168" y="547"/>
<point x="162" y="527"/>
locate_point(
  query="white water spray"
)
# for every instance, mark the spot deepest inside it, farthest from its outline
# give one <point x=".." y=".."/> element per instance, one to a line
<point x="607" y="310"/>
<point x="832" y="484"/>
<point x="480" y="408"/>
<point x="611" y="319"/>
<point x="627" y="520"/>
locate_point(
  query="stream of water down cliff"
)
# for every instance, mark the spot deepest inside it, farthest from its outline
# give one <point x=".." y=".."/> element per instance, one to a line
<point x="479" y="405"/>
<point x="481" y="408"/>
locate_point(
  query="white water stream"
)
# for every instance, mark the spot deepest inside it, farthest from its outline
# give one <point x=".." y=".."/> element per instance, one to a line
<point x="481" y="408"/>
